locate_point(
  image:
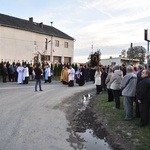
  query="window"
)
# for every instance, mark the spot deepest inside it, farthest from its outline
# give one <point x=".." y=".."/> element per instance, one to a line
<point x="56" y="43"/>
<point x="113" y="63"/>
<point x="66" y="44"/>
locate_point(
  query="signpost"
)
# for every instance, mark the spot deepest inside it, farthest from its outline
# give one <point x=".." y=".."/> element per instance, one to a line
<point x="147" y="38"/>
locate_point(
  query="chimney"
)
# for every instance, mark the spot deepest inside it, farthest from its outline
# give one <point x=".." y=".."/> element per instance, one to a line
<point x="41" y="25"/>
<point x="51" y="23"/>
<point x="31" y="19"/>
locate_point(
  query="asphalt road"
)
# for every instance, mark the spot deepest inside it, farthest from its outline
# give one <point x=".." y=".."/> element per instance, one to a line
<point x="30" y="121"/>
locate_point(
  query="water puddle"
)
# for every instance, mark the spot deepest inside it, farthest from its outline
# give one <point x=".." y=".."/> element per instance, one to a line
<point x="91" y="142"/>
<point x="89" y="133"/>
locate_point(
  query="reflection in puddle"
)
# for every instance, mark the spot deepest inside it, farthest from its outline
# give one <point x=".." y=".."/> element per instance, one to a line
<point x="88" y="134"/>
<point x="93" y="143"/>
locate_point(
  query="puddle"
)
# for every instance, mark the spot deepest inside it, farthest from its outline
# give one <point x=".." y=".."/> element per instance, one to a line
<point x="91" y="142"/>
<point x="84" y="126"/>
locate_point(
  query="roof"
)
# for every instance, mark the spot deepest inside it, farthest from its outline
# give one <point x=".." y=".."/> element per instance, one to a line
<point x="13" y="22"/>
<point x="121" y="58"/>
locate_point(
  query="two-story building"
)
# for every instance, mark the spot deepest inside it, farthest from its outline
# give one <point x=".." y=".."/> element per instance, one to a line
<point x="28" y="41"/>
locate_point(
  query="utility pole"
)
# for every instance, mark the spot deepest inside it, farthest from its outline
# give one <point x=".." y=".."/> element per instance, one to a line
<point x="148" y="54"/>
<point x="131" y="52"/>
<point x="46" y="45"/>
<point x="51" y="53"/>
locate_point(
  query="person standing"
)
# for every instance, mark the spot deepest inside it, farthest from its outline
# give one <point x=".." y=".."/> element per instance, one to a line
<point x="98" y="81"/>
<point x="107" y="81"/>
<point x="139" y="78"/>
<point x="143" y="97"/>
<point x="11" y="73"/>
<point x="123" y="68"/>
<point x="104" y="76"/>
<point x="81" y="76"/>
<point x="38" y="71"/>
<point x="71" y="73"/>
<point x="115" y="82"/>
<point x="47" y="74"/>
<point x="64" y="75"/>
<point x="20" y="74"/>
<point x="87" y="73"/>
<point x="25" y="74"/>
<point x="4" y="72"/>
<point x="30" y="72"/>
<point x="128" y="86"/>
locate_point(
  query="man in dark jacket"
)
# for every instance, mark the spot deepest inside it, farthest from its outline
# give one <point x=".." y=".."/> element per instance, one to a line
<point x="38" y="71"/>
<point x="4" y="73"/>
<point x="139" y="78"/>
<point x="143" y="96"/>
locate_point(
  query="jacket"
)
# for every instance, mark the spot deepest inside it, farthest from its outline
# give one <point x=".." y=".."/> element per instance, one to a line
<point x="143" y="90"/>
<point x="38" y="73"/>
<point x="97" y="78"/>
<point x="115" y="80"/>
<point x="128" y="85"/>
<point x="107" y="81"/>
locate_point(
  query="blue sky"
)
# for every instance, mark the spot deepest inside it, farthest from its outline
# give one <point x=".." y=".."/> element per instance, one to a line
<point x="111" y="25"/>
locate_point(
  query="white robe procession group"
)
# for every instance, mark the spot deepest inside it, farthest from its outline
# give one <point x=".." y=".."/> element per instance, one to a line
<point x="22" y="73"/>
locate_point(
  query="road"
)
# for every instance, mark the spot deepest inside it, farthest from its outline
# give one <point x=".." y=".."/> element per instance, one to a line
<point x="30" y="121"/>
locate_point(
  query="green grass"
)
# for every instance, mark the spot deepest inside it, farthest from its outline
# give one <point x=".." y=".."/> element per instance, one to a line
<point x="113" y="118"/>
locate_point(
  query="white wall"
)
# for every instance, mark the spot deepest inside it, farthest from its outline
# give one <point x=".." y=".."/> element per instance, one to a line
<point x="20" y="45"/>
<point x="110" y="61"/>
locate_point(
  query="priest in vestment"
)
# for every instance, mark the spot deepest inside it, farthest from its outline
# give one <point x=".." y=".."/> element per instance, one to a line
<point x="64" y="75"/>
<point x="80" y="76"/>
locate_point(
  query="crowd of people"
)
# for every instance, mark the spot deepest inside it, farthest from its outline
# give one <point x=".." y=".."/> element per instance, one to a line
<point x="131" y="82"/>
<point x="24" y="74"/>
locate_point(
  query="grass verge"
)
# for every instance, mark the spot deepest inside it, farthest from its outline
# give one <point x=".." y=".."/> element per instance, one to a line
<point x="138" y="136"/>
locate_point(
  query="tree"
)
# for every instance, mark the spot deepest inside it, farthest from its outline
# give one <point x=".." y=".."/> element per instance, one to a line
<point x="137" y="52"/>
<point x="123" y="53"/>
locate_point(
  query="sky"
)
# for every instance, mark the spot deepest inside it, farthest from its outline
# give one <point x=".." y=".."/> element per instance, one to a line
<point x="109" y="25"/>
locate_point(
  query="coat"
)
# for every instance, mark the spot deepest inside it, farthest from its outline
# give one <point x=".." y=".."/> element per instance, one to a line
<point x="128" y="84"/>
<point x="143" y="90"/>
<point x="97" y="78"/>
<point x="115" y="80"/>
<point x="38" y="73"/>
<point x="107" y="81"/>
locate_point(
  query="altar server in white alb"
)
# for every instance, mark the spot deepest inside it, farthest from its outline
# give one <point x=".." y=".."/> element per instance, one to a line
<point x="47" y="74"/>
<point x="71" y="73"/>
<point x="20" y="74"/>
<point x="25" y="74"/>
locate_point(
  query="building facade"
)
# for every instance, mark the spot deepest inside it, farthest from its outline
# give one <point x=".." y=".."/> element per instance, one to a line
<point x="118" y="61"/>
<point x="28" y="41"/>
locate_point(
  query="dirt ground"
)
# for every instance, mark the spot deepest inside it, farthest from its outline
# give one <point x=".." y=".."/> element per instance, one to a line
<point x="89" y="119"/>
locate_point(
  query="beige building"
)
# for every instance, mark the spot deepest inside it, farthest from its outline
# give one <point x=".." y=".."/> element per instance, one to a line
<point x="25" y="40"/>
<point x="118" y="61"/>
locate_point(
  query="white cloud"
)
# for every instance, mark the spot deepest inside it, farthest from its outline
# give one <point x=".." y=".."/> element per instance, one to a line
<point x="110" y="25"/>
